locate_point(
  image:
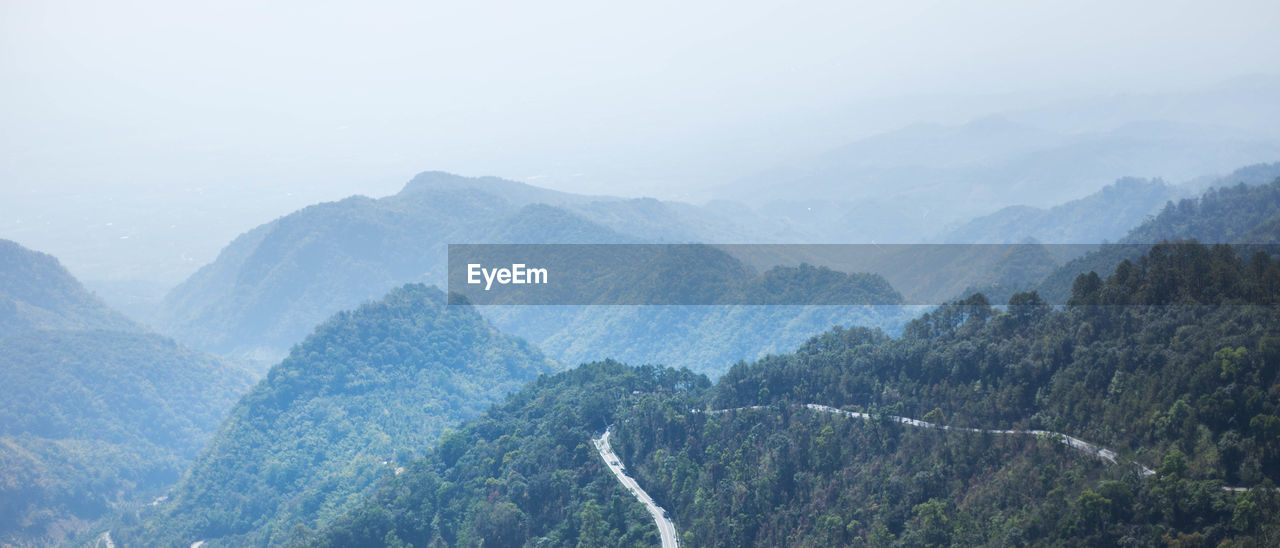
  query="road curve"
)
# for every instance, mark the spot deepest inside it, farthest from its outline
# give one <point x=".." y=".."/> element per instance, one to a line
<point x="1074" y="443"/>
<point x="666" y="528"/>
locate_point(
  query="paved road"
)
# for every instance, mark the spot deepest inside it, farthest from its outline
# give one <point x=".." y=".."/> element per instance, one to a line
<point x="104" y="540"/>
<point x="1074" y="443"/>
<point x="666" y="528"/>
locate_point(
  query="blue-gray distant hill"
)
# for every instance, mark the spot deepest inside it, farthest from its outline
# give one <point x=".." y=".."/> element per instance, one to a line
<point x="270" y="286"/>
<point x="908" y="185"/>
<point x="1104" y="216"/>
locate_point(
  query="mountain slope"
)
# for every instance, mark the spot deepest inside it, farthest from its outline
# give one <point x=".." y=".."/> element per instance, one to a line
<point x="272" y="284"/>
<point x="364" y="392"/>
<point x="1186" y="390"/>
<point x="1239" y="214"/>
<point x="37" y="293"/>
<point x="525" y="473"/>
<point x="92" y="420"/>
<point x="706" y="339"/>
<point x="1106" y="215"/>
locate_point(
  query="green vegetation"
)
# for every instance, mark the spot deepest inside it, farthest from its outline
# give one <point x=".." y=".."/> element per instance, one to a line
<point x="96" y="417"/>
<point x="705" y="339"/>
<point x="1240" y="214"/>
<point x="1134" y="364"/>
<point x="272" y="285"/>
<point x="525" y="473"/>
<point x="37" y="293"/>
<point x="368" y="390"/>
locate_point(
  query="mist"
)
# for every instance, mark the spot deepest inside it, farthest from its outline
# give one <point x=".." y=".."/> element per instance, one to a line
<point x="140" y="137"/>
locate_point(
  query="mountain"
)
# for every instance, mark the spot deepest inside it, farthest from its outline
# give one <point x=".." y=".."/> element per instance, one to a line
<point x="353" y="402"/>
<point x="786" y="306"/>
<point x="1104" y="216"/>
<point x="275" y="282"/>
<point x="909" y="185"/>
<point x="96" y="416"/>
<point x="270" y="286"/>
<point x="822" y="447"/>
<point x="37" y="293"/>
<point x="1239" y="214"/>
<point x="525" y="473"/>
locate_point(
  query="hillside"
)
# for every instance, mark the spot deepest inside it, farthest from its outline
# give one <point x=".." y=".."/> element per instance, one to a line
<point x="36" y="292"/>
<point x="271" y="285"/>
<point x="275" y="282"/>
<point x="95" y="415"/>
<point x="366" y="391"/>
<point x="1238" y="214"/>
<point x="1186" y="390"/>
<point x="705" y="339"/>
<point x="1104" y="216"/>
<point x="524" y="473"/>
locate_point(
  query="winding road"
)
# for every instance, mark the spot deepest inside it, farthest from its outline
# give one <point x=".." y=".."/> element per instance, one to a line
<point x="666" y="528"/>
<point x="1072" y="442"/>
<point x="1069" y="441"/>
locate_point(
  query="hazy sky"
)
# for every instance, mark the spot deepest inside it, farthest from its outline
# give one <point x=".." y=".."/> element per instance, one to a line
<point x="117" y="92"/>
<point x="330" y="98"/>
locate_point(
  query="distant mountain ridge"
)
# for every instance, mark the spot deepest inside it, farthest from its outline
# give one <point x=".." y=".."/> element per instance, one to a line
<point x="906" y="186"/>
<point x="271" y="285"/>
<point x="1106" y="215"/>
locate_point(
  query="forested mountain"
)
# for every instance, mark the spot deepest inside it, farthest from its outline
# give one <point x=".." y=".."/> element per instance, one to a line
<point x="1134" y="364"/>
<point x="525" y="473"/>
<point x="366" y="391"/>
<point x="1238" y="214"/>
<point x="37" y="293"/>
<point x="95" y="415"/>
<point x="275" y="282"/>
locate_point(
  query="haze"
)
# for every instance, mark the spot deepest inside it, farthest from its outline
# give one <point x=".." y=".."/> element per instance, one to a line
<point x="137" y="130"/>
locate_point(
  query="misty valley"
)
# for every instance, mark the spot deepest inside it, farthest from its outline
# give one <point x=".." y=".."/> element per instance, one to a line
<point x="1147" y="389"/>
<point x="588" y="275"/>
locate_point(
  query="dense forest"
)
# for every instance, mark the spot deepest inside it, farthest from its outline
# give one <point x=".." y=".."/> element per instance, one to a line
<point x="525" y="473"/>
<point x="367" y="391"/>
<point x="96" y="416"/>
<point x="1238" y="214"/>
<point x="1135" y="363"/>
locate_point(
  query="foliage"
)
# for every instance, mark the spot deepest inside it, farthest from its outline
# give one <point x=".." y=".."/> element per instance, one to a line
<point x="36" y="292"/>
<point x="365" y="392"/>
<point x="1187" y="389"/>
<point x="1240" y="214"/>
<point x="525" y="473"/>
<point x="93" y="421"/>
